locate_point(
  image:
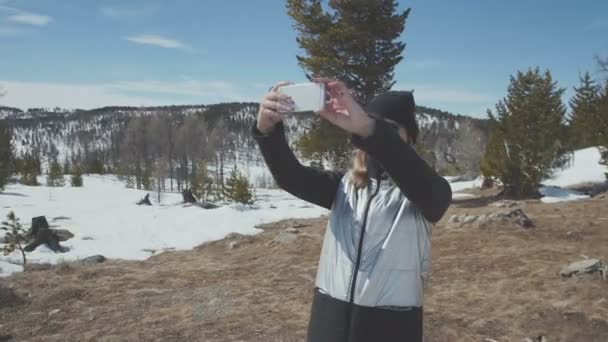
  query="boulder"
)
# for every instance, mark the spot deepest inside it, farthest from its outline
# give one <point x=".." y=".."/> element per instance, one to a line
<point x="145" y="200"/>
<point x="54" y="312"/>
<point x="63" y="234"/>
<point x="94" y="259"/>
<point x="291" y="230"/>
<point x="285" y="237"/>
<point x="587" y="266"/>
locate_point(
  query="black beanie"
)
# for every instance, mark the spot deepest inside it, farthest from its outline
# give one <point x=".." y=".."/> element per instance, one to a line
<point x="398" y="106"/>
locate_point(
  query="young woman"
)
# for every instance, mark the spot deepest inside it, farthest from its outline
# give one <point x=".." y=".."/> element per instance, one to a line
<point x="376" y="249"/>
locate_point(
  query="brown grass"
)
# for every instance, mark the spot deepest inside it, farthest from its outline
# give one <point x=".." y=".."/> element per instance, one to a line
<point x="500" y="283"/>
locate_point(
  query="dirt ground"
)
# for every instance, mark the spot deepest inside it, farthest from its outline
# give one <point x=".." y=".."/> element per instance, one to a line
<point x="499" y="283"/>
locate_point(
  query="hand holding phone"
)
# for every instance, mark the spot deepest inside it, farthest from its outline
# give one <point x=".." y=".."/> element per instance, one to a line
<point x="306" y="96"/>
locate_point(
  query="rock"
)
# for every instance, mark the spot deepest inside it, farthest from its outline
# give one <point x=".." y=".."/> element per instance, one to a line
<point x="587" y="266"/>
<point x="59" y="218"/>
<point x="521" y="218"/>
<point x="504" y="204"/>
<point x="453" y="219"/>
<point x="469" y="219"/>
<point x="145" y="200"/>
<point x="87" y="238"/>
<point x="291" y="230"/>
<point x="483" y="221"/>
<point x="233" y="236"/>
<point x="149" y="250"/>
<point x="95" y="259"/>
<point x="285" y="237"/>
<point x="233" y="244"/>
<point x="54" y="312"/>
<point x="63" y="234"/>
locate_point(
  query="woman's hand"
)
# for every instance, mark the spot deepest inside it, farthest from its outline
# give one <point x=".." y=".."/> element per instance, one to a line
<point x="273" y="108"/>
<point x="343" y="110"/>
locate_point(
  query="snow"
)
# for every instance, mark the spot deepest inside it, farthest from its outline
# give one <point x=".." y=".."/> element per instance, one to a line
<point x="7" y="268"/>
<point x="583" y="168"/>
<point x="553" y="194"/>
<point x="461" y="196"/>
<point x="459" y="186"/>
<point x="105" y="220"/>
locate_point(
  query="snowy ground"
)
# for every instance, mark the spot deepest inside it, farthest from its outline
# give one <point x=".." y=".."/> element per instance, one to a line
<point x="105" y="220"/>
<point x="583" y="168"/>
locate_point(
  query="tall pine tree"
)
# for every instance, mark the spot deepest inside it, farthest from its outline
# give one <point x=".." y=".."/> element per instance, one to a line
<point x="584" y="106"/>
<point x="55" y="177"/>
<point x="356" y="41"/>
<point x="528" y="134"/>
<point x="6" y="155"/>
<point x="601" y="123"/>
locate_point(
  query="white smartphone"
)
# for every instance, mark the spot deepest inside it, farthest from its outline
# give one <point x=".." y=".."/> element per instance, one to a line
<point x="306" y="96"/>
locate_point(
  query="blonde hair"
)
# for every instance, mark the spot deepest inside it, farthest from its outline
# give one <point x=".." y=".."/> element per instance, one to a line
<point x="359" y="175"/>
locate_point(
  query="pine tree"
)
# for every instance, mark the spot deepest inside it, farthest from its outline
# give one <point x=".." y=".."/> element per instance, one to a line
<point x="584" y="108"/>
<point x="55" y="177"/>
<point x="66" y="166"/>
<point x="76" y="178"/>
<point x="7" y="162"/>
<point x="201" y="183"/>
<point x="15" y="236"/>
<point x="527" y="141"/>
<point x="30" y="170"/>
<point x="237" y="187"/>
<point x="354" y="41"/>
<point x="601" y="123"/>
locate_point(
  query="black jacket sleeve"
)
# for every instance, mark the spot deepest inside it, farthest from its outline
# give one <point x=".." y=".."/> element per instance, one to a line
<point x="430" y="192"/>
<point x="312" y="185"/>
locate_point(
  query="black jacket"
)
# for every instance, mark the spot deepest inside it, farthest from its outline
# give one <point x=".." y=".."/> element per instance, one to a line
<point x="378" y="234"/>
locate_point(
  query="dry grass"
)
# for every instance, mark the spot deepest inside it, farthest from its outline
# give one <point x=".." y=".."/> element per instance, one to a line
<point x="500" y="283"/>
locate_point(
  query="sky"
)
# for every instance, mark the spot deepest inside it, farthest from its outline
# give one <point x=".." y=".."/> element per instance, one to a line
<point x="458" y="58"/>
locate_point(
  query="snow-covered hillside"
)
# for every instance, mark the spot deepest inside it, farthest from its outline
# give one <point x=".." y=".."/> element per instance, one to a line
<point x="105" y="220"/>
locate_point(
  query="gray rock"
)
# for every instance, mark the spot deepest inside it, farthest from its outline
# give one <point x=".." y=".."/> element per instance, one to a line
<point x="54" y="312"/>
<point x="95" y="259"/>
<point x="587" y="266"/>
<point x="291" y="230"/>
<point x="483" y="221"/>
<point x="285" y="237"/>
<point x="469" y="219"/>
<point x="233" y="244"/>
<point x="63" y="234"/>
<point x="87" y="238"/>
<point x="453" y="219"/>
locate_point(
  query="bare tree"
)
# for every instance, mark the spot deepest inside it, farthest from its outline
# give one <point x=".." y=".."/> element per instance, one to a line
<point x="135" y="149"/>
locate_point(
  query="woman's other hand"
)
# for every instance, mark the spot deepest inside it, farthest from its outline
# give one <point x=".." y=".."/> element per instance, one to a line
<point x="273" y="108"/>
<point x="343" y="110"/>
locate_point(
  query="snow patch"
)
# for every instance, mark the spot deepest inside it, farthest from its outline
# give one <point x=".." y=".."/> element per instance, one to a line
<point x="553" y="194"/>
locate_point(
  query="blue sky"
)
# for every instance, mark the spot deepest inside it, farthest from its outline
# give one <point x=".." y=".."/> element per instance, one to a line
<point x="459" y="54"/>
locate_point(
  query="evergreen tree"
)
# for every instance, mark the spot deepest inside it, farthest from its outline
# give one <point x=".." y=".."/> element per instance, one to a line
<point x="76" y="178"/>
<point x="15" y="236"/>
<point x="237" y="187"/>
<point x="7" y="162"/>
<point x="146" y="180"/>
<point x="30" y="170"/>
<point x="96" y="167"/>
<point x="201" y="183"/>
<point x="528" y="137"/>
<point x="66" y="166"/>
<point x="601" y="123"/>
<point x="355" y="41"/>
<point x="55" y="177"/>
<point x="584" y="108"/>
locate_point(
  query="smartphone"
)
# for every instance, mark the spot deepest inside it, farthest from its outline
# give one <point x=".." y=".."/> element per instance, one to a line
<point x="306" y="96"/>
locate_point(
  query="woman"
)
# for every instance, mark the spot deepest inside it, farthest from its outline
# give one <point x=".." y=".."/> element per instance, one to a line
<point x="377" y="243"/>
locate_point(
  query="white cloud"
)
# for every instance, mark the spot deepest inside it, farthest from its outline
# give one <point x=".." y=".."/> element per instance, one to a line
<point x="155" y="40"/>
<point x="30" y="19"/>
<point x="122" y="12"/>
<point x="127" y="93"/>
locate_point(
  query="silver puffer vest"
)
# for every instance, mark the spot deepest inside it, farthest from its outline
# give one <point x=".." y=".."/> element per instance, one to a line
<point x="385" y="267"/>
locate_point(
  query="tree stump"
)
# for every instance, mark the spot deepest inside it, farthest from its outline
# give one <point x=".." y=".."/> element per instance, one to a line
<point x="145" y="200"/>
<point x="188" y="196"/>
<point x="42" y="234"/>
